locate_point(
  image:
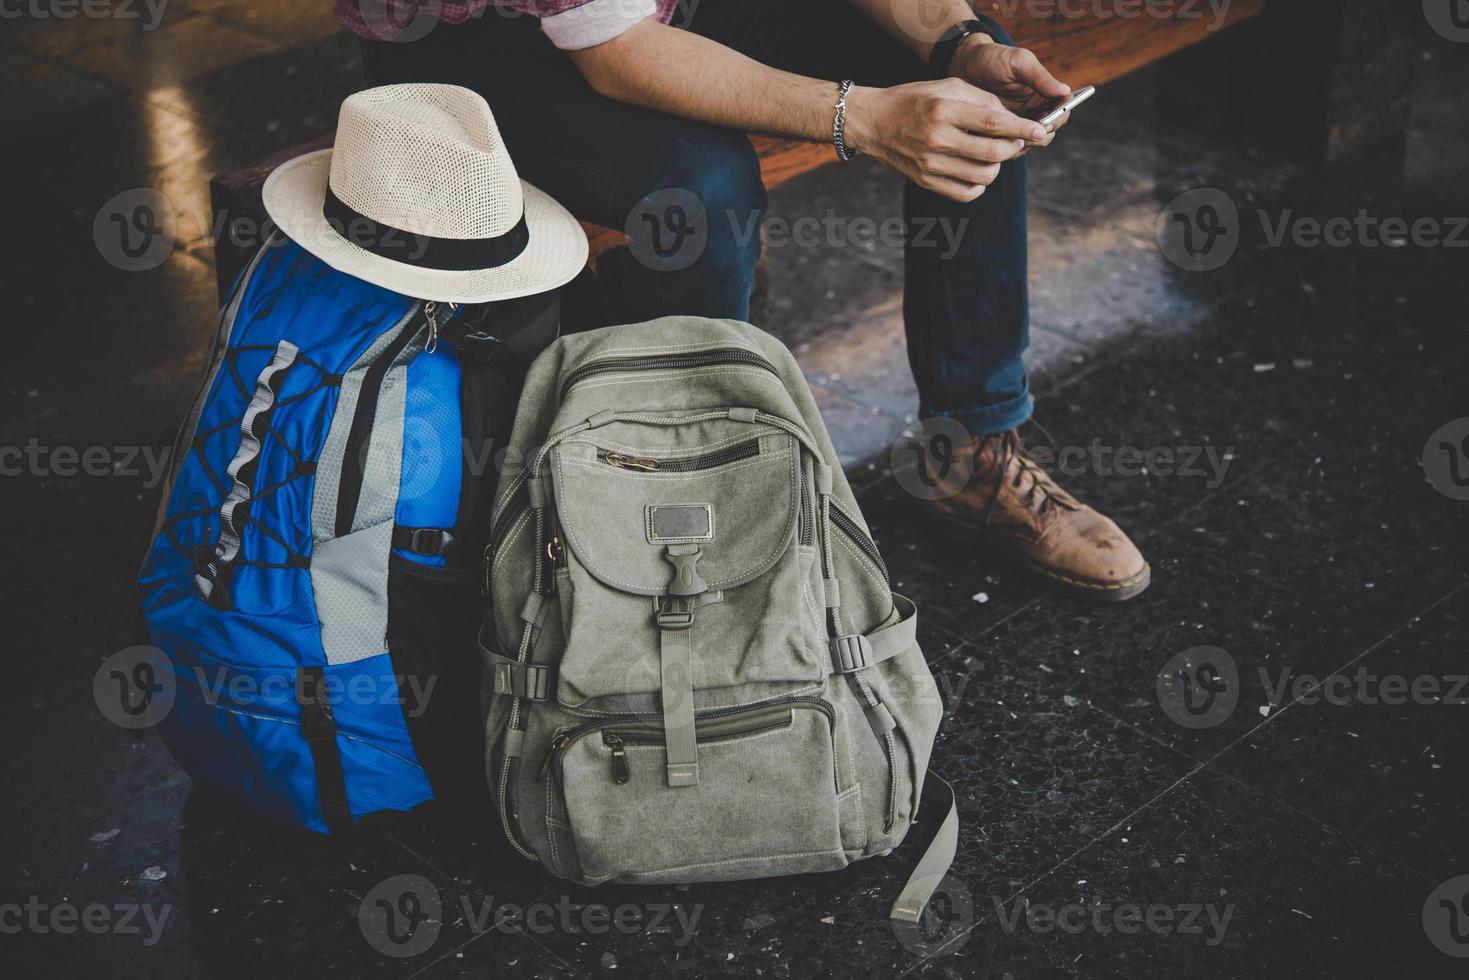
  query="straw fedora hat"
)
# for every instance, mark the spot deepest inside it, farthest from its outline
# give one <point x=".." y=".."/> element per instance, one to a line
<point x="419" y="196"/>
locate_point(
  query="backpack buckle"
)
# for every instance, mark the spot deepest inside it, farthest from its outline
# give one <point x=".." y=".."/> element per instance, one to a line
<point x="431" y="540"/>
<point x="317" y="721"/>
<point x="676" y="611"/>
<point x="850" y="653"/>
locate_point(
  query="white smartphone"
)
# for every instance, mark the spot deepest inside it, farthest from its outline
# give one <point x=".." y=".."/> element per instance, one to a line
<point x="1055" y="114"/>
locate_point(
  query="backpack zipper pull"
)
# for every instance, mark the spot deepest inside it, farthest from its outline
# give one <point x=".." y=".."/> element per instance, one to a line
<point x="433" y="327"/>
<point x="431" y="311"/>
<point x="620" y="773"/>
<point x="623" y="462"/>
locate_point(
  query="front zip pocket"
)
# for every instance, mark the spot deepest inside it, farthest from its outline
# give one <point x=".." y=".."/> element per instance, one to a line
<point x="709" y="727"/>
<point x="618" y="739"/>
<point x="610" y="808"/>
<point x="680" y="464"/>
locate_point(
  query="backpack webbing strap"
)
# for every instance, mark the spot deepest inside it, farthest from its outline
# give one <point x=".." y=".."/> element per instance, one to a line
<point x="931" y="868"/>
<point x="676" y="651"/>
<point x="533" y="682"/>
<point x="675" y="619"/>
<point x="853" y="651"/>
<point x="320" y="730"/>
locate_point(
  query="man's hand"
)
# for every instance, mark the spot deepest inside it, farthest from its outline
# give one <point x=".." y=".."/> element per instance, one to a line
<point x="946" y="136"/>
<point x="1014" y="75"/>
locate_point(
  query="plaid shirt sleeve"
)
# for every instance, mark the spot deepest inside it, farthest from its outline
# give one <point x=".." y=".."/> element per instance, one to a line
<point x="570" y="24"/>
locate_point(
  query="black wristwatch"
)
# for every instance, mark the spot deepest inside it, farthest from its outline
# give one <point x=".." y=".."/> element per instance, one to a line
<point x="949" y="41"/>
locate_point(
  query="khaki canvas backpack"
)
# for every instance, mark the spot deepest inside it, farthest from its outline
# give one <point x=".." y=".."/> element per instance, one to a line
<point x="697" y="670"/>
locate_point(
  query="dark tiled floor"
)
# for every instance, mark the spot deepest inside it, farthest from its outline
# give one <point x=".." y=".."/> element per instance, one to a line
<point x="1300" y="384"/>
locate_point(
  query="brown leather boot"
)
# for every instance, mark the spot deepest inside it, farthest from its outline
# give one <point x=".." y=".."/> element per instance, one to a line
<point x="1015" y="507"/>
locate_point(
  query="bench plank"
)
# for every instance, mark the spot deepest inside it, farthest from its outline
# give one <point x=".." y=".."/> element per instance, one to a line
<point x="1090" y="50"/>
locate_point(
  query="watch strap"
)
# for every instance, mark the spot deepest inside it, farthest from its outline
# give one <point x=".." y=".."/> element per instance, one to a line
<point x="948" y="44"/>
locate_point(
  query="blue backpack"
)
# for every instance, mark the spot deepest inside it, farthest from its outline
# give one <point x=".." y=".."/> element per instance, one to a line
<point x="313" y="579"/>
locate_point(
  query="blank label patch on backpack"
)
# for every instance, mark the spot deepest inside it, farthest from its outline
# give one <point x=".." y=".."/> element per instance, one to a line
<point x="680" y="523"/>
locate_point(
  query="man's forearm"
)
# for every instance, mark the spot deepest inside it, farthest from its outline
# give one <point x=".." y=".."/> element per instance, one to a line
<point x="681" y="73"/>
<point x="948" y="136"/>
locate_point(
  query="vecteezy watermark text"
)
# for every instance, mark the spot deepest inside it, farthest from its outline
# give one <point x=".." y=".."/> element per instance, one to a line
<point x="933" y="459"/>
<point x="1208" y="463"/>
<point x="39" y="917"/>
<point x="402" y="916"/>
<point x="136" y="688"/>
<point x="1126" y="918"/>
<point x="1201" y="230"/>
<point x="149" y="12"/>
<point x="1202" y="686"/>
<point x="39" y="460"/>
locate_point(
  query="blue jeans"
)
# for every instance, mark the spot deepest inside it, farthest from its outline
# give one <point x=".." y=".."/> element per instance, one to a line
<point x="965" y="305"/>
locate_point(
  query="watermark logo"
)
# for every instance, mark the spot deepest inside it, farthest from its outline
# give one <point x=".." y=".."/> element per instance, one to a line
<point x="1217" y="11"/>
<point x="933" y="460"/>
<point x="1199" y="688"/>
<point x="1208" y="463"/>
<point x="668" y="229"/>
<point x="402" y="916"/>
<point x="1446" y="459"/>
<point x="66" y="462"/>
<point x="1199" y="230"/>
<point x="1446" y="917"/>
<point x="1362" y="230"/>
<point x="64" y="918"/>
<point x="835" y="230"/>
<point x="1448" y="18"/>
<point x="928" y="19"/>
<point x="134" y="688"/>
<point x="1365" y="687"/>
<point x="1126" y="918"/>
<point x="386" y="20"/>
<point x="133" y="230"/>
<point x="948" y="916"/>
<point x="149" y="12"/>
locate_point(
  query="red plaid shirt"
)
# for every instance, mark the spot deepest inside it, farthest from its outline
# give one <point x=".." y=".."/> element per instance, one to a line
<point x="405" y="20"/>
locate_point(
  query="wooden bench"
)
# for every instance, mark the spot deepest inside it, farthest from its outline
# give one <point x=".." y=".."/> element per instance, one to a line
<point x="1090" y="49"/>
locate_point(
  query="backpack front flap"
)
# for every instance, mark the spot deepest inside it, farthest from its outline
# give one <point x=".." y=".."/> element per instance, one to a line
<point x="701" y="672"/>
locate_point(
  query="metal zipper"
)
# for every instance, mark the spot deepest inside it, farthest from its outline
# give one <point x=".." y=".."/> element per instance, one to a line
<point x="647" y="464"/>
<point x="656" y="362"/>
<point x="805" y="532"/>
<point x="551" y="765"/>
<point x="853" y="530"/>
<point x="617" y="741"/>
<point x="506" y="522"/>
<point x="689" y="464"/>
<point x="349" y="487"/>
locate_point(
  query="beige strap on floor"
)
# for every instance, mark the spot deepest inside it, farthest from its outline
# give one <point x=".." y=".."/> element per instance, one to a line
<point x="929" y="873"/>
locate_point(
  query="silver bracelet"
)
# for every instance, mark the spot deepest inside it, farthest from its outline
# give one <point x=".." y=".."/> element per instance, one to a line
<point x="839" y="124"/>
